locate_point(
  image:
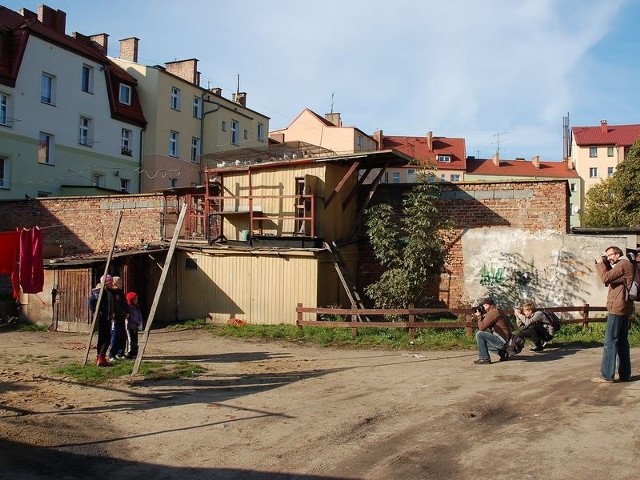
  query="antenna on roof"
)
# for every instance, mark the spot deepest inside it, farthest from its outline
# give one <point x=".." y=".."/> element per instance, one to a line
<point x="238" y="85"/>
<point x="332" y="94"/>
<point x="498" y="142"/>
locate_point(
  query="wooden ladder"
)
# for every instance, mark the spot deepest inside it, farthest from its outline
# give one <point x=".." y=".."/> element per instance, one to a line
<point x="346" y="279"/>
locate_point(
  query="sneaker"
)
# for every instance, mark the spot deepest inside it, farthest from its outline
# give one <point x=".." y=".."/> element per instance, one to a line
<point x="504" y="355"/>
<point x="119" y="356"/>
<point x="482" y="361"/>
<point x="601" y="380"/>
<point x="537" y="348"/>
<point x="111" y="359"/>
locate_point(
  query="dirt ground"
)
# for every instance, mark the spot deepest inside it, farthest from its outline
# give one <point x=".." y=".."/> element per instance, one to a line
<point x="265" y="410"/>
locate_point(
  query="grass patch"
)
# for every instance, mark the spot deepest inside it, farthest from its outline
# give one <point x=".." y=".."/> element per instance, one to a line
<point x="91" y="374"/>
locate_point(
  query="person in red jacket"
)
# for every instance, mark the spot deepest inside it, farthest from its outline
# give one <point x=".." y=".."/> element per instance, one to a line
<point x="494" y="331"/>
<point x="616" y="273"/>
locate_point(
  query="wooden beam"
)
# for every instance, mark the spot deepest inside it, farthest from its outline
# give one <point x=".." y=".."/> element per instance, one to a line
<point x="353" y="168"/>
<point x="372" y="190"/>
<point x="355" y="188"/>
<point x="156" y="298"/>
<point x="106" y="271"/>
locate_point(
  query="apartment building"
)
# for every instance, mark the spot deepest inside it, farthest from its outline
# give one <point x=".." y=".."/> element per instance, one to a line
<point x="186" y="120"/>
<point x="70" y="119"/>
<point x="327" y="132"/>
<point x="596" y="151"/>
<point x="446" y="155"/>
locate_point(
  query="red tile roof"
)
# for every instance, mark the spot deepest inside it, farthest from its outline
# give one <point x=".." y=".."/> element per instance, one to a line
<point x="418" y="148"/>
<point x="604" y="134"/>
<point x="16" y="29"/>
<point x="519" y="168"/>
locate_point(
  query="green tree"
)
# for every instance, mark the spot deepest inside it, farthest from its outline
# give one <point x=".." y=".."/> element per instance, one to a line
<point x="409" y="245"/>
<point x="614" y="201"/>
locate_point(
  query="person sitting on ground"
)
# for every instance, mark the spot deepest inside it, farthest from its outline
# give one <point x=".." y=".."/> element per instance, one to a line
<point x="531" y="321"/>
<point x="494" y="331"/>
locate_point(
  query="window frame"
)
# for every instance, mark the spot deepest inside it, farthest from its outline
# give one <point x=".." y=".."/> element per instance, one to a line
<point x="5" y="172"/>
<point x="223" y="126"/>
<point x="610" y="171"/>
<point x="395" y="177"/>
<point x="260" y="132"/>
<point x="85" y="131"/>
<point x="98" y="179"/>
<point x="195" y="149"/>
<point x="126" y="147"/>
<point x="48" y="82"/>
<point x="125" y="183"/>
<point x="455" y="177"/>
<point x="593" y="152"/>
<point x="235" y="132"/>
<point x="46" y="143"/>
<point x="174" y="138"/>
<point x="86" y="79"/>
<point x="197" y="107"/>
<point x="593" y="172"/>
<point x="124" y="94"/>
<point x="174" y="100"/>
<point x="443" y="158"/>
<point x="610" y="151"/>
<point x="4" y="109"/>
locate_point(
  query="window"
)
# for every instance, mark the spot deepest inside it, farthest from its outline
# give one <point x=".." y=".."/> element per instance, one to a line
<point x="175" y="98"/>
<point x="197" y="107"/>
<point x="359" y="142"/>
<point x="260" y="132"/>
<point x="173" y="143"/>
<point x="174" y="182"/>
<point x="195" y="149"/>
<point x="411" y="175"/>
<point x="443" y="177"/>
<point x="124" y="185"/>
<point x="47" y="89"/>
<point x="125" y="146"/>
<point x="396" y="177"/>
<point x="125" y="94"/>
<point x="223" y="127"/>
<point x="593" y="172"/>
<point x="42" y="194"/>
<point x="455" y="177"/>
<point x="234" y="132"/>
<point x="444" y="158"/>
<point x="572" y="186"/>
<point x="87" y="79"/>
<point x="45" y="148"/>
<point x="86" y="134"/>
<point x="4" y="172"/>
<point x="593" y="152"/>
<point x="609" y="151"/>
<point x="246" y="134"/>
<point x="4" y="109"/>
<point x="609" y="171"/>
<point x="97" y="179"/>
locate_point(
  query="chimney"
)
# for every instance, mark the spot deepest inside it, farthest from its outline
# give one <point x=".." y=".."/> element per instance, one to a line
<point x="240" y="98"/>
<point x="496" y="159"/>
<point x="129" y="49"/>
<point x="101" y="40"/>
<point x="536" y="161"/>
<point x="54" y="19"/>
<point x="185" y="69"/>
<point x="217" y="91"/>
<point x="430" y="140"/>
<point x="377" y="136"/>
<point x="334" y="118"/>
<point x="604" y="128"/>
<point x="28" y="14"/>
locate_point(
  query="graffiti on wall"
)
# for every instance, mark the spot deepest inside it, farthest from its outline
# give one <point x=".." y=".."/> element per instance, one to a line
<point x="491" y="276"/>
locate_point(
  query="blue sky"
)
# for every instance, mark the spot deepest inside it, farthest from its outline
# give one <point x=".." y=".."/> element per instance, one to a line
<point x="500" y="73"/>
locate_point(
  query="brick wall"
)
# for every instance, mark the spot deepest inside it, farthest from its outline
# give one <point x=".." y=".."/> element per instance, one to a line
<point x="526" y="205"/>
<point x="87" y="224"/>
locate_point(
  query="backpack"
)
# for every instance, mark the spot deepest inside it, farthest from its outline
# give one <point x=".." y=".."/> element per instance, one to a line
<point x="515" y="344"/>
<point x="551" y="322"/>
<point x="633" y="292"/>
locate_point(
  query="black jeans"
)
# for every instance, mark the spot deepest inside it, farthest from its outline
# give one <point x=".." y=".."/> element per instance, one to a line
<point x="536" y="332"/>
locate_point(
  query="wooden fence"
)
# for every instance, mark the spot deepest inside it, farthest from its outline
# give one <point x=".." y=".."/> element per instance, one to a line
<point x="413" y="322"/>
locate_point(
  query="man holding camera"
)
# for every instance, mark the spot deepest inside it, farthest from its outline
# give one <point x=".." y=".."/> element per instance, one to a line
<point x="616" y="272"/>
<point x="494" y="331"/>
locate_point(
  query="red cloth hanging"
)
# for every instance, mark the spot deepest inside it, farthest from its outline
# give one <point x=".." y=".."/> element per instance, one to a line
<point x="31" y="271"/>
<point x="9" y="247"/>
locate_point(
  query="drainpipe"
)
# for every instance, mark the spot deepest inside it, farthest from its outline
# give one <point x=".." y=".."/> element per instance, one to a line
<point x="140" y="162"/>
<point x="202" y="128"/>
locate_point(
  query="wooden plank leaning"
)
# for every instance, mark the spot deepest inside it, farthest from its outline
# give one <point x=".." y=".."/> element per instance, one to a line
<point x="156" y="298"/>
<point x="106" y="270"/>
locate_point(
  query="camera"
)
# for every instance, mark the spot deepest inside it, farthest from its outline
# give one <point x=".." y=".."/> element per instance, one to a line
<point x="606" y="262"/>
<point x="479" y="309"/>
